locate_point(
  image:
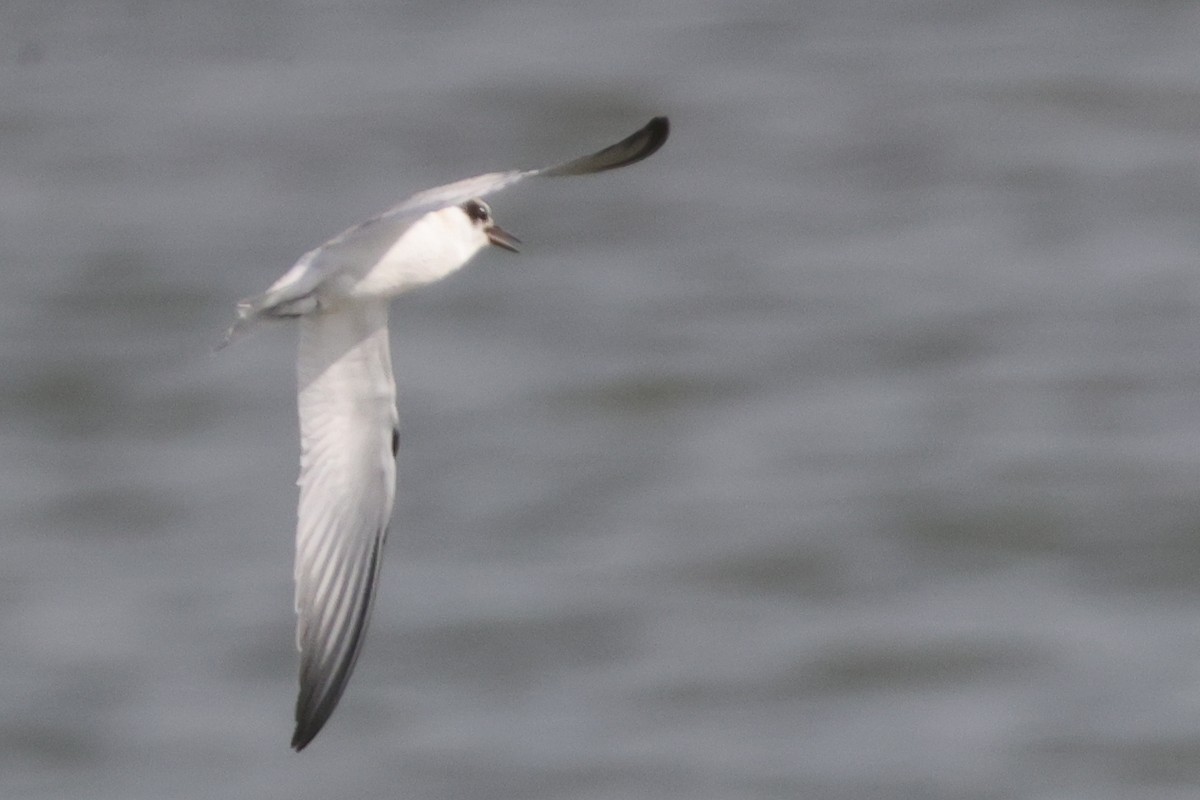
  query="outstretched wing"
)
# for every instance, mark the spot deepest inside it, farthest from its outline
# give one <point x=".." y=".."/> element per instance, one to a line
<point x="641" y="144"/>
<point x="347" y="485"/>
<point x="367" y="242"/>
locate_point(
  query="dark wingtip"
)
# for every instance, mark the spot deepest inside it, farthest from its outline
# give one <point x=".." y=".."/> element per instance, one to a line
<point x="309" y="722"/>
<point x="658" y="130"/>
<point x="313" y="711"/>
<point x="303" y="736"/>
<point x="639" y="145"/>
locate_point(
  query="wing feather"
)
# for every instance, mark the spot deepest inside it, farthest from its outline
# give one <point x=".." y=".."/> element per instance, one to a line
<point x="347" y="486"/>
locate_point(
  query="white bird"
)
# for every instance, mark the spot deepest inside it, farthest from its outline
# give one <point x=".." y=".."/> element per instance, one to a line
<point x="340" y="292"/>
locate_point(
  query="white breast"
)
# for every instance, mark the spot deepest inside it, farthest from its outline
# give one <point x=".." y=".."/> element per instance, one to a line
<point x="433" y="247"/>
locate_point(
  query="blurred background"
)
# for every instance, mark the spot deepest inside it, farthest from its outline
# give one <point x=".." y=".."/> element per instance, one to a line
<point x="849" y="448"/>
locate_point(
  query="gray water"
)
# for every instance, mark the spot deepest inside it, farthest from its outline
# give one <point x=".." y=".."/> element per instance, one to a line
<point x="848" y="448"/>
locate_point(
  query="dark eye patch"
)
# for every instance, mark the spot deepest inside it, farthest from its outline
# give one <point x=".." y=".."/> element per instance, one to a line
<point x="476" y="210"/>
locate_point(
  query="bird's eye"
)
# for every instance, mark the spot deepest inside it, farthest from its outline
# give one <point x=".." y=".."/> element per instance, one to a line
<point x="476" y="210"/>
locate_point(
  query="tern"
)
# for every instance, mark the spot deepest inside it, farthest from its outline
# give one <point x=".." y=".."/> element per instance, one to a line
<point x="339" y="293"/>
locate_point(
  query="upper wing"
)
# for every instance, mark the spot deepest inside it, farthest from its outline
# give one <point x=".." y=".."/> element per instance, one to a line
<point x="367" y="242"/>
<point x="641" y="144"/>
<point x="347" y="485"/>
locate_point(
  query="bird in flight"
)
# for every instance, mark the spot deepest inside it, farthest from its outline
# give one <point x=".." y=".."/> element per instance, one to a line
<point x="339" y="294"/>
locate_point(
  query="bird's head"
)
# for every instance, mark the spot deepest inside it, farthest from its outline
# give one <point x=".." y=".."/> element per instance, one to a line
<point x="480" y="215"/>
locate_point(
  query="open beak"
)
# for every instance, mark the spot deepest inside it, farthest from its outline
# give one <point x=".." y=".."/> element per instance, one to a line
<point x="502" y="238"/>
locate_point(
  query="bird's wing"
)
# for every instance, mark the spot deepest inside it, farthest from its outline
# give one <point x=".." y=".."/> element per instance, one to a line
<point x="633" y="148"/>
<point x="347" y="485"/>
<point x="367" y="242"/>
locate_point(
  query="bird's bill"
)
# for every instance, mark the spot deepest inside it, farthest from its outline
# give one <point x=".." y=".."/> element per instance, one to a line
<point x="502" y="238"/>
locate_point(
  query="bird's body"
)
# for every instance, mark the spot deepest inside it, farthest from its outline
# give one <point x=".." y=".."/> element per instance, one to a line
<point x="340" y="293"/>
<point x="436" y="245"/>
